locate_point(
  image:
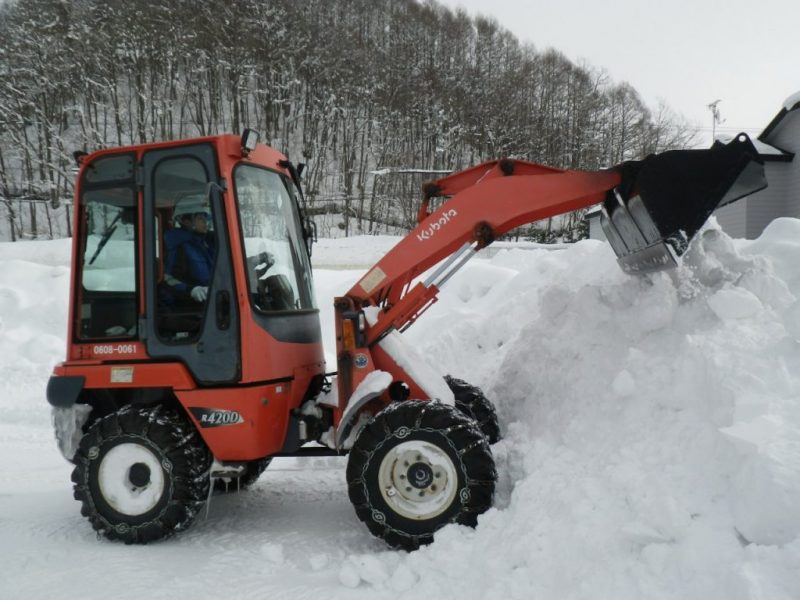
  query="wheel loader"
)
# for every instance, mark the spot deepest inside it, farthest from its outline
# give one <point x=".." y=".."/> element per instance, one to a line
<point x="183" y="377"/>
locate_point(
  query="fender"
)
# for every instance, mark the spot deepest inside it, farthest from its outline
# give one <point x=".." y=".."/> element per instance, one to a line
<point x="374" y="384"/>
<point x="63" y="390"/>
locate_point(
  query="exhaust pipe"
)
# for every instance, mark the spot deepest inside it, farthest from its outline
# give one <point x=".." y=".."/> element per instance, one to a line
<point x="664" y="200"/>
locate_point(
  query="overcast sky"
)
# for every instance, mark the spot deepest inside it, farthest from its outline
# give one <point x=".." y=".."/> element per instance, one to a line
<point x="687" y="52"/>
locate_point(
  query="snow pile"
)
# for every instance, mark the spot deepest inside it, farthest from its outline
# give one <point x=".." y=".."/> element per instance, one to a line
<point x="34" y="286"/>
<point x="652" y="425"/>
<point x="652" y="438"/>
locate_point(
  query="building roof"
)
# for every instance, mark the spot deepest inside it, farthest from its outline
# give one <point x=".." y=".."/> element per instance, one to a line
<point x="790" y="104"/>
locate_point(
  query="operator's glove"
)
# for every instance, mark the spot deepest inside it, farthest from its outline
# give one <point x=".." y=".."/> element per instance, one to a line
<point x="199" y="293"/>
<point x="265" y="261"/>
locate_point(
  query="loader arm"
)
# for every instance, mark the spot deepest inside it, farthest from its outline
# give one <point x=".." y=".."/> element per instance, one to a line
<point x="650" y="210"/>
<point x="473" y="217"/>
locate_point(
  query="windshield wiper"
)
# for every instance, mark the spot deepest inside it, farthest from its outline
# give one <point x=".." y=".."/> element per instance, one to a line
<point x="106" y="236"/>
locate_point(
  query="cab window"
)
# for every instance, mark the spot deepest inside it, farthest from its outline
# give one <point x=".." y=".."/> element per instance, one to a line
<point x="107" y="301"/>
<point x="279" y="272"/>
<point x="186" y="248"/>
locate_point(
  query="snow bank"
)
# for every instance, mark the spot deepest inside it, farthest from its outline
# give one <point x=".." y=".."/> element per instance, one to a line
<point x="34" y="286"/>
<point x="652" y="424"/>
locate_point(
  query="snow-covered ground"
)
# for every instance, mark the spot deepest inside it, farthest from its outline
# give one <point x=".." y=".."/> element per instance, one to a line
<point x="652" y="441"/>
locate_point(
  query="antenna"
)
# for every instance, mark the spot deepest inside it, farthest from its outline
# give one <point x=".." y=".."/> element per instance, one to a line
<point x="715" y="118"/>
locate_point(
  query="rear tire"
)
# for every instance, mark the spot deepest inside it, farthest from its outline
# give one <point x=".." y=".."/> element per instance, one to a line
<point x="141" y="474"/>
<point x="416" y="467"/>
<point x="471" y="401"/>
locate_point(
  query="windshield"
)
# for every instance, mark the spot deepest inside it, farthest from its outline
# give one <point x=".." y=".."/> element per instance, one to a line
<point x="279" y="272"/>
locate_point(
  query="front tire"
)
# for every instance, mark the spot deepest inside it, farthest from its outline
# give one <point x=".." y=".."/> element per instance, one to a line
<point x="416" y="467"/>
<point x="141" y="474"/>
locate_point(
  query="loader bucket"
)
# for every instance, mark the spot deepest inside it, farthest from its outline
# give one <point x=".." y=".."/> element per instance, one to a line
<point x="664" y="200"/>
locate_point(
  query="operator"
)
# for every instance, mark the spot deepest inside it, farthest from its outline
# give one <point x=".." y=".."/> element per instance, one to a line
<point x="189" y="256"/>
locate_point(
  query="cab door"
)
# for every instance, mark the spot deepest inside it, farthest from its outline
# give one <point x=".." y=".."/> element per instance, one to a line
<point x="191" y="312"/>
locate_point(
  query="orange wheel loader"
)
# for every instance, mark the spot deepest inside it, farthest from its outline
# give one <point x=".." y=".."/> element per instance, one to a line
<point x="194" y="350"/>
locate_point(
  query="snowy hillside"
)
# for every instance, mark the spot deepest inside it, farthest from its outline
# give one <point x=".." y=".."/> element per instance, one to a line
<point x="652" y="441"/>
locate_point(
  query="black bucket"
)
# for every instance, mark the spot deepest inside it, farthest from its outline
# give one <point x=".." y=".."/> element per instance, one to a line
<point x="664" y="200"/>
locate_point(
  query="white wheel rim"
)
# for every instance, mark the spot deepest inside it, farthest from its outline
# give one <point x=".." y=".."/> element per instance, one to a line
<point x="418" y="480"/>
<point x="114" y="479"/>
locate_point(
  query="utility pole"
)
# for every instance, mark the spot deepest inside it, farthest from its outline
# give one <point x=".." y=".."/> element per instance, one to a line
<point x="715" y="118"/>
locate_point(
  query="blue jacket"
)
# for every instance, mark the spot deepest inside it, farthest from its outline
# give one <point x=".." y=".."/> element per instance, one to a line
<point x="189" y="262"/>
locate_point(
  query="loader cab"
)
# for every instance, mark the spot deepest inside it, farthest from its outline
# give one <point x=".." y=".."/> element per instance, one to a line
<point x="182" y="250"/>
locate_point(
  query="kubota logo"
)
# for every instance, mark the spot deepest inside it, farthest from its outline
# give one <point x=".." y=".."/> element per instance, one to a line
<point x="431" y="229"/>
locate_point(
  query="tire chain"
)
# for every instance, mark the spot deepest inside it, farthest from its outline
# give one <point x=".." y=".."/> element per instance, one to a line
<point x="464" y="494"/>
<point x="195" y="455"/>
